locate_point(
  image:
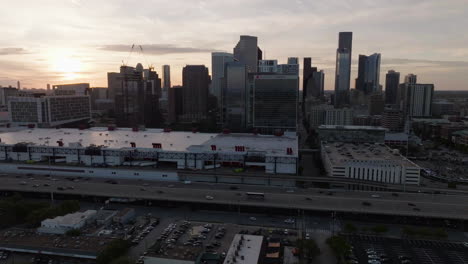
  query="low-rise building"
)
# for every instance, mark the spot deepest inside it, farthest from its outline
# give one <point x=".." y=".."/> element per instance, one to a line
<point x="368" y="162"/>
<point x="62" y="224"/>
<point x="358" y="134"/>
<point x="244" y="249"/>
<point x="125" y="216"/>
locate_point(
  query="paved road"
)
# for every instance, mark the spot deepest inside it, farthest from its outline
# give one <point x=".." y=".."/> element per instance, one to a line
<point x="442" y="206"/>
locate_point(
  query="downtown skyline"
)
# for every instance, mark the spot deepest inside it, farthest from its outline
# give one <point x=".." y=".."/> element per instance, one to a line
<point x="80" y="41"/>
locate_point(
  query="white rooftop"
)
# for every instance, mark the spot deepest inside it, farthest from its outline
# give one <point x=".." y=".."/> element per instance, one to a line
<point x="247" y="253"/>
<point x="170" y="141"/>
<point x="71" y="219"/>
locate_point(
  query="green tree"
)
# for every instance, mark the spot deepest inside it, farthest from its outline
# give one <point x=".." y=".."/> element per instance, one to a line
<point x="121" y="260"/>
<point x="308" y="249"/>
<point x="380" y="229"/>
<point x="339" y="246"/>
<point x="113" y="251"/>
<point x="73" y="232"/>
<point x="350" y="228"/>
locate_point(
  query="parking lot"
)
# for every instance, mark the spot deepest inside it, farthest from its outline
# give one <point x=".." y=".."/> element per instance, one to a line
<point x="375" y="250"/>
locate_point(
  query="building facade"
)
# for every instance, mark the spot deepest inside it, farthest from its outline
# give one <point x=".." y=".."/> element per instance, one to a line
<point x="418" y="99"/>
<point x="236" y="96"/>
<point x="78" y="88"/>
<point x="392" y="81"/>
<point x="368" y="162"/>
<point x="218" y="64"/>
<point x="247" y="52"/>
<point x="368" y="80"/>
<point x="343" y="69"/>
<point x="275" y="99"/>
<point x="49" y="111"/>
<point x="196" y="80"/>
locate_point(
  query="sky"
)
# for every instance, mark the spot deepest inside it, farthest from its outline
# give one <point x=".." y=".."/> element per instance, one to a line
<point x="69" y="41"/>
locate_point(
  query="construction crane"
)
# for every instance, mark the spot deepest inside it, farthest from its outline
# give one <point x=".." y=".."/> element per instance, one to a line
<point x="124" y="63"/>
<point x="150" y="66"/>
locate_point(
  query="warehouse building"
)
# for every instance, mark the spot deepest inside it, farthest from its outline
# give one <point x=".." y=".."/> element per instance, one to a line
<point x="156" y="148"/>
<point x="62" y="224"/>
<point x="368" y="162"/>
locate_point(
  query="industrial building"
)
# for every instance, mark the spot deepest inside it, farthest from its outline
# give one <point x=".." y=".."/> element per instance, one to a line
<point x="244" y="249"/>
<point x="62" y="224"/>
<point x="106" y="148"/>
<point x="368" y="162"/>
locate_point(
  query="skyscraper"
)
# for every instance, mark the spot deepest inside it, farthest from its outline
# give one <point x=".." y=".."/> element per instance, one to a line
<point x="316" y="89"/>
<point x="275" y="102"/>
<point x="235" y="99"/>
<point x="368" y="80"/>
<point x="196" y="80"/>
<point x="218" y="63"/>
<point x="411" y="79"/>
<point x="247" y="52"/>
<point x="392" y="81"/>
<point x="166" y="77"/>
<point x="418" y="99"/>
<point x="343" y="69"/>
<point x="136" y="92"/>
<point x="175" y="103"/>
<point x="306" y="74"/>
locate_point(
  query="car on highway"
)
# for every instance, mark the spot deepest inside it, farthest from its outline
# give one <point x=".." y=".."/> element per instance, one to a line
<point x="290" y="221"/>
<point x="23" y="183"/>
<point x="36" y="185"/>
<point x="375" y="196"/>
<point x="252" y="218"/>
<point x="209" y="197"/>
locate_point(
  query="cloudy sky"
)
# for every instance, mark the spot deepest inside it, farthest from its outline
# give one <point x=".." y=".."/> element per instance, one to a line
<point x="65" y="41"/>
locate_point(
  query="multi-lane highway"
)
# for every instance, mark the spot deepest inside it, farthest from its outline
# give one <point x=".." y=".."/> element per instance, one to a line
<point x="404" y="204"/>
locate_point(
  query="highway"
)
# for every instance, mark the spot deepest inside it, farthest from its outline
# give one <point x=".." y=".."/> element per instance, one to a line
<point x="429" y="205"/>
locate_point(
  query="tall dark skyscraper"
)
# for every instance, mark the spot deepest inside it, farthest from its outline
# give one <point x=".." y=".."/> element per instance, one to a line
<point x="136" y="93"/>
<point x="392" y="81"/>
<point x="247" y="52"/>
<point x="368" y="80"/>
<point x="306" y="75"/>
<point x="196" y="80"/>
<point x="166" y="77"/>
<point x="343" y="69"/>
<point x="175" y="103"/>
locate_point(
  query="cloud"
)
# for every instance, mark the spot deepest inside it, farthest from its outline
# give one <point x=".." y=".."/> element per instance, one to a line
<point x="157" y="49"/>
<point x="422" y="63"/>
<point x="12" y="51"/>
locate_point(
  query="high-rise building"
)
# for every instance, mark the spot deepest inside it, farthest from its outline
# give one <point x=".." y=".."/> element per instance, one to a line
<point x="136" y="93"/>
<point x="418" y="99"/>
<point x="392" y="119"/>
<point x="247" y="52"/>
<point x="376" y="104"/>
<point x="411" y="79"/>
<point x="316" y="84"/>
<point x="343" y="69"/>
<point x="166" y="77"/>
<point x="77" y="88"/>
<point x="275" y="98"/>
<point x="235" y="97"/>
<point x="196" y="80"/>
<point x="339" y="116"/>
<point x="306" y="75"/>
<point x="392" y="81"/>
<point x="175" y="104"/>
<point x="49" y="111"/>
<point x="218" y="63"/>
<point x="368" y="79"/>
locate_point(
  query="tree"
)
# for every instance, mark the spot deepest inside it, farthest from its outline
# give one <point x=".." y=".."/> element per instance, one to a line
<point x="380" y="229"/>
<point x="350" y="228"/>
<point x="121" y="260"/>
<point x="339" y="246"/>
<point x="73" y="233"/>
<point x="308" y="249"/>
<point x="113" y="251"/>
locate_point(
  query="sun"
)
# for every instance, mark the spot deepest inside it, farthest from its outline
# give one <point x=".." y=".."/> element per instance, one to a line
<point x="67" y="65"/>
